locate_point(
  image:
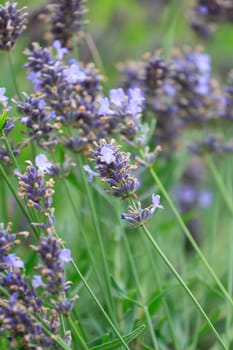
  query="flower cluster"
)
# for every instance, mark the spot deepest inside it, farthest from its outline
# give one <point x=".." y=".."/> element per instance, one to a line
<point x="34" y="189"/>
<point x="52" y="278"/>
<point x="207" y="13"/>
<point x="122" y="111"/>
<point x="12" y="24"/>
<point x="66" y="19"/>
<point x="180" y="92"/>
<point x="114" y="167"/>
<point x="19" y="304"/>
<point x="139" y="216"/>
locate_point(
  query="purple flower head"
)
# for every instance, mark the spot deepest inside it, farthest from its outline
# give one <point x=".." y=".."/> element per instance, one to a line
<point x="42" y="163"/>
<point x="140" y="216"/>
<point x="114" y="168"/>
<point x="90" y="172"/>
<point x="13" y="261"/>
<point x="2" y="97"/>
<point x="74" y="74"/>
<point x="60" y="50"/>
<point x="65" y="255"/>
<point x="107" y="154"/>
<point x="12" y="24"/>
<point x="37" y="281"/>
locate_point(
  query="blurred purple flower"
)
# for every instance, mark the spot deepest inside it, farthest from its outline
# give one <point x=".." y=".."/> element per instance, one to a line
<point x="13" y="261"/>
<point x="43" y="163"/>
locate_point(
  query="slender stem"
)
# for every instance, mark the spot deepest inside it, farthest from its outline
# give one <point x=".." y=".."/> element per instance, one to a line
<point x="4" y="203"/>
<point x="164" y="301"/>
<point x="219" y="182"/>
<point x="101" y="244"/>
<point x="77" y="334"/>
<point x="13" y="75"/>
<point x="230" y="288"/>
<point x="84" y="236"/>
<point x="94" y="52"/>
<point x="9" y="150"/>
<point x="189" y="236"/>
<point x="183" y="284"/>
<point x="135" y="274"/>
<point x="94" y="297"/>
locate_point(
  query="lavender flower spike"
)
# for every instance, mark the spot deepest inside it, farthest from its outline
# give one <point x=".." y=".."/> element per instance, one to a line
<point x="140" y="216"/>
<point x="114" y="168"/>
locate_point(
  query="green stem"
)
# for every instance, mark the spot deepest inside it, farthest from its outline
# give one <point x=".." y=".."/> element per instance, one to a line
<point x="183" y="284"/>
<point x="77" y="334"/>
<point x="9" y="150"/>
<point x="221" y="186"/>
<point x="84" y="236"/>
<point x="164" y="302"/>
<point x="4" y="203"/>
<point x="145" y="309"/>
<point x="101" y="244"/>
<point x="189" y="236"/>
<point x="13" y="76"/>
<point x="94" y="297"/>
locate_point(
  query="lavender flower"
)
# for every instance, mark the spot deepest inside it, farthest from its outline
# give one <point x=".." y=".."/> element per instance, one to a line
<point x="12" y="24"/>
<point x="42" y="163"/>
<point x="66" y="18"/>
<point x="139" y="216"/>
<point x="3" y="99"/>
<point x="34" y="189"/>
<point x="121" y="112"/>
<point x="52" y="278"/>
<point x="114" y="168"/>
<point x="39" y="120"/>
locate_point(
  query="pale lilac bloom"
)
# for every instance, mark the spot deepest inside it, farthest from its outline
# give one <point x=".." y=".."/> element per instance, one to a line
<point x="205" y="198"/>
<point x="117" y="97"/>
<point x="2" y="97"/>
<point x="156" y="201"/>
<point x="90" y="172"/>
<point x="104" y="106"/>
<point x="65" y="255"/>
<point x="135" y="100"/>
<point x="37" y="281"/>
<point x="136" y="95"/>
<point x="107" y="155"/>
<point x="74" y="74"/>
<point x="13" y="261"/>
<point x="43" y="163"/>
<point x="24" y="120"/>
<point x="203" y="10"/>
<point x="60" y="50"/>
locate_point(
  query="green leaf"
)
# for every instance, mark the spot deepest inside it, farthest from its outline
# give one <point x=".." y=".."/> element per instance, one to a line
<point x="116" y="343"/>
<point x="3" y="119"/>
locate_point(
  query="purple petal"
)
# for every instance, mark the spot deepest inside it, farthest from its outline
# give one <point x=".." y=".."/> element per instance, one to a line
<point x="65" y="255"/>
<point x="37" y="281"/>
<point x="90" y="172"/>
